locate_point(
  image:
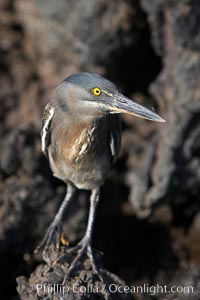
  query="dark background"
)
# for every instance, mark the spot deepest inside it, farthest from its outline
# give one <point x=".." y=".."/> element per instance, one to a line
<point x="148" y="222"/>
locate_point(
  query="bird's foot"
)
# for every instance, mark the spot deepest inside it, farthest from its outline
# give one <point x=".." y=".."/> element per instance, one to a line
<point x="83" y="248"/>
<point x="53" y="228"/>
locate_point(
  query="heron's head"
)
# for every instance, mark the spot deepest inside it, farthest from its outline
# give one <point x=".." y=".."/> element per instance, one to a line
<point x="92" y="94"/>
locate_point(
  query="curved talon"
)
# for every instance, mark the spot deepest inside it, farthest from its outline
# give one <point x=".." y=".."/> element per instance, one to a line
<point x="93" y="264"/>
<point x="48" y="238"/>
<point x="73" y="265"/>
<point x="85" y="249"/>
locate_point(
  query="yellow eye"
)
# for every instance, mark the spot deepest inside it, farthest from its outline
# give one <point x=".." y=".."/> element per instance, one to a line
<point x="96" y="91"/>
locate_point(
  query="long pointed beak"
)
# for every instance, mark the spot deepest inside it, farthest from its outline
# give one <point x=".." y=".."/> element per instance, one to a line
<point x="122" y="104"/>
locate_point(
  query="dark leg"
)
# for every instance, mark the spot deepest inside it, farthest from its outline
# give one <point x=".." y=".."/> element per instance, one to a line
<point x="55" y="225"/>
<point x="84" y="245"/>
<point x="94" y="199"/>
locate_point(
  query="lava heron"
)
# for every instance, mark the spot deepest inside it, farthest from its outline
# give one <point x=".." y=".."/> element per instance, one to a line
<point x="81" y="137"/>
